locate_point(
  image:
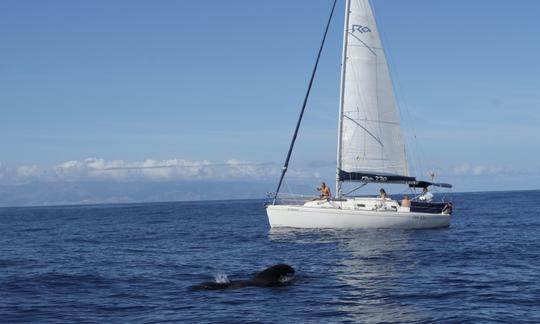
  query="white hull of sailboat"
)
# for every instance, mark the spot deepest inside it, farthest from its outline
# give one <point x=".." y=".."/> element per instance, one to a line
<point x="312" y="217"/>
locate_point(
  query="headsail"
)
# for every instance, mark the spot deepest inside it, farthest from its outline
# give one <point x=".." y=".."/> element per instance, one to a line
<point x="370" y="139"/>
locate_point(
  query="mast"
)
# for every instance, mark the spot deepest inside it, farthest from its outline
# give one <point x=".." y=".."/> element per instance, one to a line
<point x="341" y="97"/>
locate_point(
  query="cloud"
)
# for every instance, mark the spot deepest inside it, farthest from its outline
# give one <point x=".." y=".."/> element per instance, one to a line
<point x="94" y="169"/>
<point x="120" y="170"/>
<point x="29" y="171"/>
<point x="468" y="169"/>
<point x="96" y="180"/>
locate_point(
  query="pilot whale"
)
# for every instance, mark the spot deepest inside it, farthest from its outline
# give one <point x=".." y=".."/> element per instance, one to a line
<point x="276" y="275"/>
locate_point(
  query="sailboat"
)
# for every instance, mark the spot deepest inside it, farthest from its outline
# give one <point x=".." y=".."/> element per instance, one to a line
<point x="370" y="149"/>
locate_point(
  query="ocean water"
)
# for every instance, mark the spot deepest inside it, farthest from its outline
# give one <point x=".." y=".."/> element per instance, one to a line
<point x="135" y="263"/>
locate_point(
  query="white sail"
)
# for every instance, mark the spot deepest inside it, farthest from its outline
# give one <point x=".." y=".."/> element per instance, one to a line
<point x="370" y="136"/>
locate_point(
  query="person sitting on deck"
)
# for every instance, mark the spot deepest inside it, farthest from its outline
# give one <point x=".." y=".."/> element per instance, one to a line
<point x="382" y="194"/>
<point x="406" y="202"/>
<point x="426" y="195"/>
<point x="381" y="204"/>
<point x="325" y="191"/>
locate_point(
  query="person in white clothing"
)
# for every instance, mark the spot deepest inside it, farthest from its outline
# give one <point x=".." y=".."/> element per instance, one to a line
<point x="426" y="195"/>
<point x="406" y="202"/>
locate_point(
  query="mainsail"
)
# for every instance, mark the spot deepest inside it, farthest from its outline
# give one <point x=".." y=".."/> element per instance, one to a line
<point x="370" y="143"/>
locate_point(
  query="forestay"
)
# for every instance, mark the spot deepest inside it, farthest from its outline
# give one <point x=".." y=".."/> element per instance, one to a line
<point x="370" y="137"/>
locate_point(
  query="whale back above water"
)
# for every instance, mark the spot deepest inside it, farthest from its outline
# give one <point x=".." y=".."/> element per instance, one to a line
<point x="274" y="276"/>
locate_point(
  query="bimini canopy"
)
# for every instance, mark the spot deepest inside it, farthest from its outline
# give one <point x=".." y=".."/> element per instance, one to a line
<point x="425" y="184"/>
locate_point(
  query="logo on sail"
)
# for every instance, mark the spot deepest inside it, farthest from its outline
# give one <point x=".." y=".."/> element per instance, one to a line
<point x="374" y="179"/>
<point x="361" y="29"/>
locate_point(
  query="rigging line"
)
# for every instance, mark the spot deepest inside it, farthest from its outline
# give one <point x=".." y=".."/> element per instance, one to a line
<point x="357" y="188"/>
<point x="367" y="131"/>
<point x="361" y="41"/>
<point x="286" y="164"/>
<point x="362" y="46"/>
<point x="361" y="97"/>
<point x="376" y="121"/>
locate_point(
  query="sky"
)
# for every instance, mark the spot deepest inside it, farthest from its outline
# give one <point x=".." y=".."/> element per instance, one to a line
<point x="183" y="90"/>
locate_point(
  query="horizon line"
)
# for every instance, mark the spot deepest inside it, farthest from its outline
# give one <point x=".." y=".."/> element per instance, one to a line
<point x="219" y="200"/>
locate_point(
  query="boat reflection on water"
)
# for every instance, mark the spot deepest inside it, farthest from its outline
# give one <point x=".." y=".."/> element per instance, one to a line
<point x="364" y="273"/>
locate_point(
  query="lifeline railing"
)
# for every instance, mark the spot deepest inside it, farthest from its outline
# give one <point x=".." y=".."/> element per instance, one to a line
<point x="289" y="199"/>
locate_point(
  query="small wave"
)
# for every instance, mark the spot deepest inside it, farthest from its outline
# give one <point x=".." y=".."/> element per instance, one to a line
<point x="221" y="278"/>
<point x="57" y="279"/>
<point x="4" y="263"/>
<point x="31" y="230"/>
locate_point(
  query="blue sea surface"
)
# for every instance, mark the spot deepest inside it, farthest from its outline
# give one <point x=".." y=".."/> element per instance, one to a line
<point x="135" y="263"/>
